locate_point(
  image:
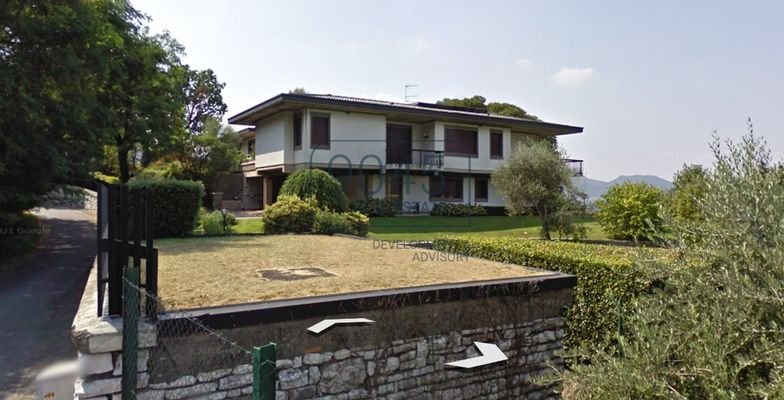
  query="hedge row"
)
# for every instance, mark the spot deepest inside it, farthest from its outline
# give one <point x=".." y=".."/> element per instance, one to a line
<point x="605" y="276"/>
<point x="175" y="204"/>
<point x="457" y="210"/>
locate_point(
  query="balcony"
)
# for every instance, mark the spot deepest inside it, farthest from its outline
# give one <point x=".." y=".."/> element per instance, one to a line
<point x="575" y="165"/>
<point x="416" y="158"/>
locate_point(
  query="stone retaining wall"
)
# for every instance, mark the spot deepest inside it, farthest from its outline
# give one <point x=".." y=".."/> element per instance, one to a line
<point x="401" y="356"/>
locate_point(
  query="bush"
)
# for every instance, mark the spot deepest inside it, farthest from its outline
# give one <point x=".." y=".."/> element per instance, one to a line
<point x="348" y="223"/>
<point x="605" y="276"/>
<point x="715" y="330"/>
<point x="457" y="210"/>
<point x="375" y="207"/>
<point x="289" y="214"/>
<point x="175" y="204"/>
<point x="631" y="211"/>
<point x="217" y="222"/>
<point x="318" y="184"/>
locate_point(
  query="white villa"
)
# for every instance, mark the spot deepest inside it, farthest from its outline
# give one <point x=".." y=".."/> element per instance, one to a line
<point x="415" y="153"/>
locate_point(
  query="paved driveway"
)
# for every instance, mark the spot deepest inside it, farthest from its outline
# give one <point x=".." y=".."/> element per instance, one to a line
<point x="38" y="302"/>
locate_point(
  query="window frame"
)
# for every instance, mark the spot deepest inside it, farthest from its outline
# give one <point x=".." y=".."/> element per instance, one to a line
<point x="464" y="129"/>
<point x="328" y="117"/>
<point x="486" y="183"/>
<point x="431" y="190"/>
<point x="496" y="133"/>
<point x="297" y="132"/>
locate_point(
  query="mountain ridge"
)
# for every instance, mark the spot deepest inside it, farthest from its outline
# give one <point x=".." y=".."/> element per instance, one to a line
<point x="595" y="188"/>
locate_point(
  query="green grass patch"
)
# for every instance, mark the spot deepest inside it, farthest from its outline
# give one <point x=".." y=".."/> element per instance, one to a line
<point x="430" y="227"/>
<point x="248" y="225"/>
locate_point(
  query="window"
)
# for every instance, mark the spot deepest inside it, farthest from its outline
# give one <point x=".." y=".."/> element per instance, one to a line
<point x="251" y="151"/>
<point x="297" y="131"/>
<point x="496" y="144"/>
<point x="480" y="189"/>
<point x="319" y="131"/>
<point x="446" y="188"/>
<point x="460" y="142"/>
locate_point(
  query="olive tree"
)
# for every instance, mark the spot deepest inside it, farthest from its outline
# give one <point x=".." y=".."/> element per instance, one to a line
<point x="713" y="328"/>
<point x="535" y="180"/>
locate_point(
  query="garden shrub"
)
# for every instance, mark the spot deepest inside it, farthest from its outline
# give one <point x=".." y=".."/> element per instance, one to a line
<point x="631" y="210"/>
<point x="605" y="276"/>
<point x="175" y="204"/>
<point x="457" y="210"/>
<point x="322" y="186"/>
<point x="290" y="214"/>
<point x="217" y="222"/>
<point x="349" y="223"/>
<point x="375" y="207"/>
<point x="715" y="330"/>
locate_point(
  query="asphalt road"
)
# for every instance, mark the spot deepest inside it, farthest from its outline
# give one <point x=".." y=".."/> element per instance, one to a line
<point x="39" y="300"/>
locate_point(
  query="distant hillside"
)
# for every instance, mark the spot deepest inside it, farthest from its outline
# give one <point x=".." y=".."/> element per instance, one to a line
<point x="595" y="188"/>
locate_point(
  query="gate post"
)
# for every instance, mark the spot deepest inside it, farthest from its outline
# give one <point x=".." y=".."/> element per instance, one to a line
<point x="264" y="375"/>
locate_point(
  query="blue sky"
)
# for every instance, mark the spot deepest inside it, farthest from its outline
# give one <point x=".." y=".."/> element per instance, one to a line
<point x="650" y="82"/>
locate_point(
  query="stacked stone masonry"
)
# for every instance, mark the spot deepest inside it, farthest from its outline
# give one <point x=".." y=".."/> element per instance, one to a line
<point x="343" y="366"/>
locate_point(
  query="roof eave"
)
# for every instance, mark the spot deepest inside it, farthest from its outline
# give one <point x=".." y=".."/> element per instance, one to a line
<point x="245" y="117"/>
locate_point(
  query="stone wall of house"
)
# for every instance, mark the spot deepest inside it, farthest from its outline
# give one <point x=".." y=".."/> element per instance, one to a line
<point x="401" y="356"/>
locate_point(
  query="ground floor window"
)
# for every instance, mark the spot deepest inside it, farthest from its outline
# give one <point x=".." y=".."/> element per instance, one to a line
<point x="480" y="189"/>
<point x="446" y="188"/>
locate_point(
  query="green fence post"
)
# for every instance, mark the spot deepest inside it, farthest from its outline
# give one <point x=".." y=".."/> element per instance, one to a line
<point x="130" y="339"/>
<point x="264" y="376"/>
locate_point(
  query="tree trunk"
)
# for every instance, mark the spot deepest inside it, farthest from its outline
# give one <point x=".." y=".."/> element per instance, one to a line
<point x="122" y="158"/>
<point x="545" y="223"/>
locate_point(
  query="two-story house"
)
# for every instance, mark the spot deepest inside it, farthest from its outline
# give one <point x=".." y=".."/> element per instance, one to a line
<point x="415" y="153"/>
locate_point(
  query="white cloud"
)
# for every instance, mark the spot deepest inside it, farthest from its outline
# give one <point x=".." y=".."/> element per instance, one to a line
<point x="524" y="62"/>
<point x="572" y="77"/>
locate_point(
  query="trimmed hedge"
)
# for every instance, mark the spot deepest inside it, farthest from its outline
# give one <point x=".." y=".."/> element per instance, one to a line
<point x="457" y="210"/>
<point x="349" y="223"/>
<point x="375" y="207"/>
<point x="605" y="275"/>
<point x="175" y="204"/>
<point x="289" y="214"/>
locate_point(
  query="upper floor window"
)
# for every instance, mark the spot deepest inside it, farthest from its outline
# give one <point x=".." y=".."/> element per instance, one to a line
<point x="251" y="150"/>
<point x="461" y="142"/>
<point x="319" y="131"/>
<point x="496" y="144"/>
<point x="297" y="131"/>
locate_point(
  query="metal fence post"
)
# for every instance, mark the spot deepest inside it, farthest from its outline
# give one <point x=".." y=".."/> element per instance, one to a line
<point x="264" y="376"/>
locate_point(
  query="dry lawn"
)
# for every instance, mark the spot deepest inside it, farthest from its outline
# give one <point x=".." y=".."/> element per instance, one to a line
<point x="202" y="272"/>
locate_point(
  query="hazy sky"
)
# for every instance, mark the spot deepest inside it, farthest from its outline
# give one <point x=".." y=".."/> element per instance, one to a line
<point x="649" y="82"/>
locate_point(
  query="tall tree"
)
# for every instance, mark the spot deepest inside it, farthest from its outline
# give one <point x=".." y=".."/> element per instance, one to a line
<point x="53" y="59"/>
<point x="480" y="102"/>
<point x="145" y="104"/>
<point x="203" y="98"/>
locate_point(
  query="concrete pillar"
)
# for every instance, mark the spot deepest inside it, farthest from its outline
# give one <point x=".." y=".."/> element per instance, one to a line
<point x="267" y="190"/>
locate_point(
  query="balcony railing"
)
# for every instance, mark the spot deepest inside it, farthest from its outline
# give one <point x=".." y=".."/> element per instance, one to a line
<point x="418" y="158"/>
<point x="575" y="165"/>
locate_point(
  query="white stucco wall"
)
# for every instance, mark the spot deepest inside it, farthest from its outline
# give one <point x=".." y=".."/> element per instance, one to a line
<point x="353" y="136"/>
<point x="270" y="141"/>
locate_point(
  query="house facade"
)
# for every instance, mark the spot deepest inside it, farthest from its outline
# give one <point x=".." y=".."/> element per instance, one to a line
<point x="417" y="154"/>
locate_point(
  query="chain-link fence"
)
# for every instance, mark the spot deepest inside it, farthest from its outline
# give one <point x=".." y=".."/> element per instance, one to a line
<point x="189" y="359"/>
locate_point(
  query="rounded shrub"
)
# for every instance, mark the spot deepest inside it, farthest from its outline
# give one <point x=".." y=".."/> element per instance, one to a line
<point x="317" y="184"/>
<point x="217" y="222"/>
<point x="290" y="214"/>
<point x="631" y="211"/>
<point x="176" y="204"/>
